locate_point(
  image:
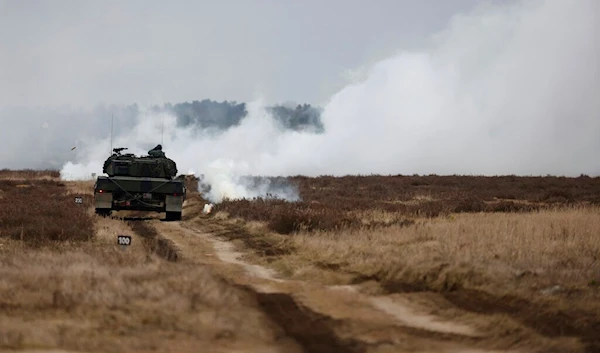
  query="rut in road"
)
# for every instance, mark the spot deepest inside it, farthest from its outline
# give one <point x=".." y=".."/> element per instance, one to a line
<point x="312" y="331"/>
<point x="341" y="318"/>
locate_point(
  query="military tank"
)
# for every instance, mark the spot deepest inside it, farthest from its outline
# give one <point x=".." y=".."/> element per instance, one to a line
<point x="140" y="183"/>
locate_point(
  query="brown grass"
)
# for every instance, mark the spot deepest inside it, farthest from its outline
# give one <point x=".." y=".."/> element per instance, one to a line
<point x="330" y="203"/>
<point x="7" y="174"/>
<point x="385" y="227"/>
<point x="81" y="188"/>
<point x="542" y="267"/>
<point x="65" y="283"/>
<point x="558" y="246"/>
<point x="42" y="211"/>
<point x="100" y="298"/>
<point x="526" y="247"/>
<point x="547" y="248"/>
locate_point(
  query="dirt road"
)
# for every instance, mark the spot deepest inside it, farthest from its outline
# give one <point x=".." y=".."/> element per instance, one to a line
<point x="351" y="318"/>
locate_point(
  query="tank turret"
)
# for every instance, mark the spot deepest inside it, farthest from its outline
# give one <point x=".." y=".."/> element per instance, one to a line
<point x="155" y="165"/>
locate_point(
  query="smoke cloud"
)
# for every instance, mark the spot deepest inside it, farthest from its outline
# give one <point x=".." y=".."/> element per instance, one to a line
<point x="506" y="89"/>
<point x="224" y="159"/>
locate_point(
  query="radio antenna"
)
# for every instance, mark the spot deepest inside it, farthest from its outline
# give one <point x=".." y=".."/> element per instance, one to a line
<point x="111" y="132"/>
<point x="162" y="131"/>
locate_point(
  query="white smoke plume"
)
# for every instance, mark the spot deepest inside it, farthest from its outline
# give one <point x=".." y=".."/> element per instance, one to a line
<point x="507" y="89"/>
<point x="224" y="181"/>
<point x="224" y="160"/>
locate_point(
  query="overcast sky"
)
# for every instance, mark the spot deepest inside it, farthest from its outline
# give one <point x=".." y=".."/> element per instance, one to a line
<point x="85" y="52"/>
<point x="518" y="80"/>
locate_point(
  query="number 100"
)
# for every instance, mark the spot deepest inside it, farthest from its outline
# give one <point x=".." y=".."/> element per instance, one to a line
<point x="124" y="240"/>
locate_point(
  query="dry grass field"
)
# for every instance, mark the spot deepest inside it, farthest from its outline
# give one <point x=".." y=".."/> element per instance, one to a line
<point x="330" y="203"/>
<point x="528" y="247"/>
<point x="41" y="211"/>
<point x="64" y="282"/>
<point x="513" y="258"/>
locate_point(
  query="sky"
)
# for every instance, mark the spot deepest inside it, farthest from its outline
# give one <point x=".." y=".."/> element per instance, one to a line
<point x="83" y="52"/>
<point x="406" y="87"/>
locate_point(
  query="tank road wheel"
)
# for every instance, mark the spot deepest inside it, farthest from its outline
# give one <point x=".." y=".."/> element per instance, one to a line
<point x="173" y="216"/>
<point x="104" y="212"/>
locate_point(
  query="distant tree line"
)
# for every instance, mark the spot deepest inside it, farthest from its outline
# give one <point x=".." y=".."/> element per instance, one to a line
<point x="48" y="135"/>
<point x="223" y="115"/>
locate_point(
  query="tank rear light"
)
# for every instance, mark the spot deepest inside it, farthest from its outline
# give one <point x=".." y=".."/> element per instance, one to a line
<point x="176" y="194"/>
<point x="100" y="191"/>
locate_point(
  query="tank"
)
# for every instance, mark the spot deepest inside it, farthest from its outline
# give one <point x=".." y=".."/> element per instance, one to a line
<point x="155" y="165"/>
<point x="140" y="183"/>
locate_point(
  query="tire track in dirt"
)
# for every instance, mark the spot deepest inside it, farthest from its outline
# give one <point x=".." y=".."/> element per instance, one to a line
<point x="310" y="330"/>
<point x="417" y="323"/>
<point x="172" y="248"/>
<point x="154" y="242"/>
<point x="328" y="319"/>
<point x="543" y="319"/>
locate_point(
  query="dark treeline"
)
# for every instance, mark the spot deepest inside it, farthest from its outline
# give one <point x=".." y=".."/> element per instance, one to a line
<point x="223" y="115"/>
<point x="45" y="137"/>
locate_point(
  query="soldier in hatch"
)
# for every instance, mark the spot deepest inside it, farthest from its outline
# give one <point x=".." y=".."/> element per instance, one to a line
<point x="157" y="152"/>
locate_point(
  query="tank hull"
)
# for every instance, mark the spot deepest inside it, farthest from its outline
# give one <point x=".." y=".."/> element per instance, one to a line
<point x="139" y="194"/>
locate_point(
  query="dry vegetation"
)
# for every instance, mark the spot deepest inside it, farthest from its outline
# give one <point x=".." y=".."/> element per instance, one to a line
<point x="29" y="174"/>
<point x="330" y="203"/>
<point x="101" y="299"/>
<point x="523" y="246"/>
<point x="520" y="251"/>
<point x="40" y="211"/>
<point x="64" y="283"/>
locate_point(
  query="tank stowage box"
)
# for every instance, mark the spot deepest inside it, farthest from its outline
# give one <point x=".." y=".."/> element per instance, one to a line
<point x="145" y="183"/>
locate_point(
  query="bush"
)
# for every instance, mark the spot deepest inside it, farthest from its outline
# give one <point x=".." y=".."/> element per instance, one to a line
<point x="470" y="204"/>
